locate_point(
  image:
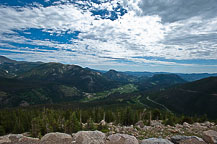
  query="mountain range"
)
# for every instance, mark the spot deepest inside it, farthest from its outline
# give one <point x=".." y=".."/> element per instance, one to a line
<point x="32" y="83"/>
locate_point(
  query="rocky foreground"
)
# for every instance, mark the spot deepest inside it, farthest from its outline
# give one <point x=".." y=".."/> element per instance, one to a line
<point x="197" y="133"/>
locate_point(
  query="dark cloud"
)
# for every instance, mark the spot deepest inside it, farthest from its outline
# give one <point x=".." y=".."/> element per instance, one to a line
<point x="174" y="10"/>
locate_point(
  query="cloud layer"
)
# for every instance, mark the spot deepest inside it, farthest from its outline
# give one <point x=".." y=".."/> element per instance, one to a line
<point x="173" y="35"/>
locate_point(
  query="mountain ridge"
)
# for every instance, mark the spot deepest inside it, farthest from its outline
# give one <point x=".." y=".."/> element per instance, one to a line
<point x="47" y="83"/>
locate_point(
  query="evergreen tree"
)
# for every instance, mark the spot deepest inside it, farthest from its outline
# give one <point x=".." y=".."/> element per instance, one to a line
<point x="90" y="124"/>
<point x="2" y="131"/>
<point x="72" y="125"/>
<point x="36" y="128"/>
<point x="128" y="117"/>
<point x="76" y="125"/>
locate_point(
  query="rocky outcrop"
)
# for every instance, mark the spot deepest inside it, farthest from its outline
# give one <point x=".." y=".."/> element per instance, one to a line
<point x="210" y="136"/>
<point x="18" y="139"/>
<point x="89" y="137"/>
<point x="179" y="139"/>
<point x="56" y="138"/>
<point x="156" y="141"/>
<point x="117" y="134"/>
<point x="121" y="139"/>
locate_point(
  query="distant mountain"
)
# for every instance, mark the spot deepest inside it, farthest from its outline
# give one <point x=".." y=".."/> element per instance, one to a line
<point x="6" y="60"/>
<point x="119" y="76"/>
<point x="15" y="68"/>
<point x="160" y="81"/>
<point x="144" y="74"/>
<point x="195" y="76"/>
<point x="72" y="75"/>
<point x="199" y="97"/>
<point x="188" y="77"/>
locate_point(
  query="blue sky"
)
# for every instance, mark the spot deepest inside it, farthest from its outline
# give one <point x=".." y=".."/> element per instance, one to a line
<point x="126" y="35"/>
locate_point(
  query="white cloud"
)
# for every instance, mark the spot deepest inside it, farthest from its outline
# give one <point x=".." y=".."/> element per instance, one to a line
<point x="134" y="34"/>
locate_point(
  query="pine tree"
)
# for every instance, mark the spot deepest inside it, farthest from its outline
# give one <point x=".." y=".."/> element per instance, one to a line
<point x="72" y="125"/>
<point x="2" y="131"/>
<point x="76" y="125"/>
<point x="36" y="128"/>
<point x="90" y="124"/>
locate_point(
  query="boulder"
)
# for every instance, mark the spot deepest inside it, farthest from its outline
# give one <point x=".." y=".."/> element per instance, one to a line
<point x="89" y="137"/>
<point x="178" y="126"/>
<point x="156" y="141"/>
<point x="4" y="140"/>
<point x="210" y="136"/>
<point x="121" y="139"/>
<point x="15" y="137"/>
<point x="207" y="124"/>
<point x="28" y="140"/>
<point x="103" y="123"/>
<point x="192" y="141"/>
<point x="140" y="124"/>
<point x="18" y="139"/>
<point x="56" y="138"/>
<point x="186" y="125"/>
<point x="178" y="139"/>
<point x="156" y="123"/>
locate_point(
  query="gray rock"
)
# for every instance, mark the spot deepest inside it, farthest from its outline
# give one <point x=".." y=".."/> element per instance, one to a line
<point x="140" y="124"/>
<point x="28" y="140"/>
<point x="121" y="139"/>
<point x="89" y="137"/>
<point x="186" y="125"/>
<point x="192" y="140"/>
<point x="156" y="123"/>
<point x="56" y="138"/>
<point x="102" y="123"/>
<point x="156" y="141"/>
<point x="178" y="139"/>
<point x="210" y="136"/>
<point x="4" y="140"/>
<point x="18" y="139"/>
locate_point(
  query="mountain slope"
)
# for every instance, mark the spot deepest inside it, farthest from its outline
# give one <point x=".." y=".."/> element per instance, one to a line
<point x="194" y="76"/>
<point x="72" y="75"/>
<point x="15" y="92"/>
<point x="4" y="73"/>
<point x="199" y="97"/>
<point x="14" y="68"/>
<point x="187" y="77"/>
<point x="160" y="81"/>
<point x="6" y="60"/>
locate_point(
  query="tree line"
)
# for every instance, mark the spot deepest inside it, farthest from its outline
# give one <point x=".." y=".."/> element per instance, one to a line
<point x="39" y="121"/>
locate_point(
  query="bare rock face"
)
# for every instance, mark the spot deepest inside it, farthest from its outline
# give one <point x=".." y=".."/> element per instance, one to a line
<point x="178" y="139"/>
<point x="156" y="141"/>
<point x="56" y="138"/>
<point x="18" y="139"/>
<point x="89" y="137"/>
<point x="121" y="139"/>
<point x="210" y="136"/>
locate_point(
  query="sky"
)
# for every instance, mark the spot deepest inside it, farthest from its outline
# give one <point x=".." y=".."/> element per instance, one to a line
<point x="126" y="35"/>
